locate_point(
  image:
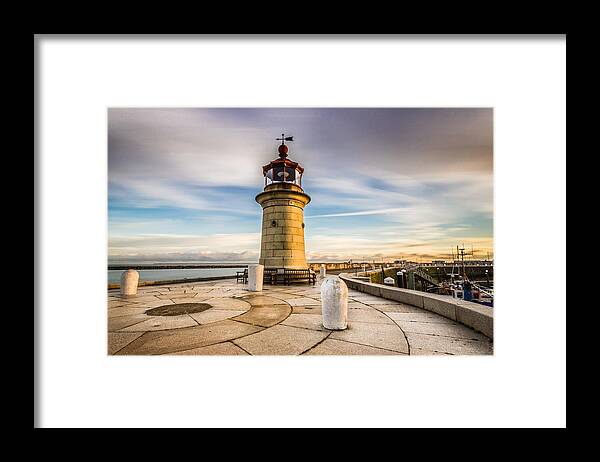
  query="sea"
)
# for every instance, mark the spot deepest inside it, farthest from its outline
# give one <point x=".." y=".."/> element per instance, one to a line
<point x="170" y="274"/>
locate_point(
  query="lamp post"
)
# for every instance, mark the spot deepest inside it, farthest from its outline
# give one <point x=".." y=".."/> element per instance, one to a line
<point x="401" y="278"/>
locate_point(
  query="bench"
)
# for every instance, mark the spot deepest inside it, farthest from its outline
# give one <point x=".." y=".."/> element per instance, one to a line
<point x="270" y="276"/>
<point x="276" y="276"/>
<point x="294" y="275"/>
<point x="241" y="276"/>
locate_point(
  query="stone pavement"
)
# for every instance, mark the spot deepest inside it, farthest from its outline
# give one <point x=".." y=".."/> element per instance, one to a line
<point x="280" y="320"/>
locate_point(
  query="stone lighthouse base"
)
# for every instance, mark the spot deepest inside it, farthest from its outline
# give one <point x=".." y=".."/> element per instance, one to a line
<point x="282" y="241"/>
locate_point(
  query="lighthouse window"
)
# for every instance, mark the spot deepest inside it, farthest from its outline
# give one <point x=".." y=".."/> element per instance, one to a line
<point x="291" y="174"/>
<point x="282" y="174"/>
<point x="279" y="174"/>
<point x="273" y="223"/>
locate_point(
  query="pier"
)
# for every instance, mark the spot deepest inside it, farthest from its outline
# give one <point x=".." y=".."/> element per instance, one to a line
<point x="284" y="320"/>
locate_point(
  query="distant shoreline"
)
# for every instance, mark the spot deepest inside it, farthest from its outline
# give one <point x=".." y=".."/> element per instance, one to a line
<point x="113" y="285"/>
<point x="177" y="266"/>
<point x="158" y="266"/>
<point x="173" y="281"/>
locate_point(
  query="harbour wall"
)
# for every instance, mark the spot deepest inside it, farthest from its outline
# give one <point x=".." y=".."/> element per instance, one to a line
<point x="473" y="315"/>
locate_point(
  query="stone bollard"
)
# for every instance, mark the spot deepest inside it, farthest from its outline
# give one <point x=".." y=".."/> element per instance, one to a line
<point x="389" y="281"/>
<point x="129" y="282"/>
<point x="334" y="303"/>
<point x="255" y="277"/>
<point x="323" y="270"/>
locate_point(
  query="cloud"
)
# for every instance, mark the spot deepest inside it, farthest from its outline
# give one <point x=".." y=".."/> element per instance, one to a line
<point x="183" y="257"/>
<point x="149" y="242"/>
<point x="383" y="181"/>
<point x="359" y="213"/>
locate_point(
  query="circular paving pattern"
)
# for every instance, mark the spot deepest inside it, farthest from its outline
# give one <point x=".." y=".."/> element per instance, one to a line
<point x="178" y="309"/>
<point x="223" y="318"/>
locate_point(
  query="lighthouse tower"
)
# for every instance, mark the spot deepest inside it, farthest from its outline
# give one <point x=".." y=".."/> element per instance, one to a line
<point x="283" y="201"/>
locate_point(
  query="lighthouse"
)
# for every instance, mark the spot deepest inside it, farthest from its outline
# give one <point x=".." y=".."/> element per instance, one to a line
<point x="283" y="201"/>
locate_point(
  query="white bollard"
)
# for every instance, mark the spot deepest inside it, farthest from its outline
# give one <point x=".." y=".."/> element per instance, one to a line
<point x="129" y="282"/>
<point x="323" y="271"/>
<point x="388" y="281"/>
<point x="334" y="303"/>
<point x="255" y="277"/>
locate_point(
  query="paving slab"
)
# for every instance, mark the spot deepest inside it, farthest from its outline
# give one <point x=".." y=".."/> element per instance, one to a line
<point x="127" y="310"/>
<point x="178" y="300"/>
<point x="201" y="289"/>
<point x="303" y="301"/>
<point x="152" y="304"/>
<point x="220" y="293"/>
<point x="221" y="349"/>
<point x="363" y="298"/>
<point x="175" y="296"/>
<point x="375" y="302"/>
<point x="305" y="321"/>
<point x="455" y="346"/>
<point x="338" y="347"/>
<point x="287" y="297"/>
<point x="309" y="293"/>
<point x="387" y="336"/>
<point x="399" y="308"/>
<point x="279" y="290"/>
<point x="454" y="330"/>
<point x="118" y="340"/>
<point x="263" y="300"/>
<point x="368" y="315"/>
<point x="422" y="352"/>
<point x="309" y="309"/>
<point x="138" y="298"/>
<point x="187" y="338"/>
<point x="358" y="306"/>
<point x="154" y="323"/>
<point x="265" y="316"/>
<point x="280" y="340"/>
<point x="162" y="292"/>
<point x="178" y="287"/>
<point x="228" y="303"/>
<point x="420" y="317"/>
<point x="119" y="322"/>
<point x="213" y="315"/>
<point x="237" y="293"/>
<point x="117" y="303"/>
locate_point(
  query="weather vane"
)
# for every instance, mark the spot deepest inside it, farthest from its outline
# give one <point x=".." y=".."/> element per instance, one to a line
<point x="283" y="138"/>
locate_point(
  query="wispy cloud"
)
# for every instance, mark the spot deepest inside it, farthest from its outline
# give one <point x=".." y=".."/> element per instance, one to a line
<point x="359" y="213"/>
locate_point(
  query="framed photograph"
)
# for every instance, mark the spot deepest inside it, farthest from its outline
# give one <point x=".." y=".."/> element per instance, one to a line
<point x="213" y="254"/>
<point x="346" y="237"/>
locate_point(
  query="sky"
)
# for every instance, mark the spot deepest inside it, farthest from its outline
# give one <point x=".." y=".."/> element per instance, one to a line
<point x="385" y="183"/>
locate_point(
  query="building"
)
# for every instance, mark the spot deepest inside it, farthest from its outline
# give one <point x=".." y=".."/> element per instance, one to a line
<point x="475" y="262"/>
<point x="283" y="201"/>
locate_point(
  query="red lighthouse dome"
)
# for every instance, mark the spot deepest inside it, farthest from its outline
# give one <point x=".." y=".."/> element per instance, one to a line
<point x="283" y="150"/>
